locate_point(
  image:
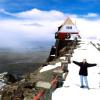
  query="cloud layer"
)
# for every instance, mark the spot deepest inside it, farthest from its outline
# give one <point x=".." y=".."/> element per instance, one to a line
<point x="69" y="6"/>
<point x="37" y="25"/>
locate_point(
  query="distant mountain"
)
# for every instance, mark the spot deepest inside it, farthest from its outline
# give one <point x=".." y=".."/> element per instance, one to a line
<point x="26" y="59"/>
<point x="28" y="46"/>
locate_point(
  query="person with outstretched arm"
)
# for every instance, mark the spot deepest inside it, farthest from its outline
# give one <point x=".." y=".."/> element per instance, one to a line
<point x="83" y="72"/>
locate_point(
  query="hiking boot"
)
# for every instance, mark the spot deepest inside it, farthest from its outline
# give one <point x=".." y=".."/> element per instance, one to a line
<point x="87" y="87"/>
<point x="82" y="86"/>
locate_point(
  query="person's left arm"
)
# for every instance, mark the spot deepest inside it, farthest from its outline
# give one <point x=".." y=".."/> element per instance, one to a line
<point x="91" y="65"/>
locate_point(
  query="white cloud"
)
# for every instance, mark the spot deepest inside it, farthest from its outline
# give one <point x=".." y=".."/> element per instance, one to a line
<point x="89" y="28"/>
<point x="3" y="11"/>
<point x="92" y="15"/>
<point x="36" y="14"/>
<point x="14" y="33"/>
<point x="36" y="25"/>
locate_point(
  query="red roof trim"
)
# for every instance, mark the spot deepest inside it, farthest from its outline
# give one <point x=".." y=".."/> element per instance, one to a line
<point x="68" y="32"/>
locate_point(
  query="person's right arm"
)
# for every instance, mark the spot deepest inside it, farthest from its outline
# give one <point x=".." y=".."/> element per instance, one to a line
<point x="77" y="63"/>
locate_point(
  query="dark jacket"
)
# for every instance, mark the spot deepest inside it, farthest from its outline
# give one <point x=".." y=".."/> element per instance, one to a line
<point x="83" y="67"/>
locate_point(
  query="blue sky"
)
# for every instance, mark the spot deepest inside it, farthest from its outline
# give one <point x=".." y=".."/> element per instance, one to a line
<point x="66" y="6"/>
<point x="22" y="21"/>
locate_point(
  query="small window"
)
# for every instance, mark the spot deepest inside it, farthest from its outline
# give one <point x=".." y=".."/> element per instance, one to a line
<point x="69" y="27"/>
